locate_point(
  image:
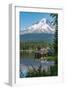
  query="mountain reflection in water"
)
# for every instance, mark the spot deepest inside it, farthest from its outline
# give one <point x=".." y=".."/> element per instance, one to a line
<point x="27" y="63"/>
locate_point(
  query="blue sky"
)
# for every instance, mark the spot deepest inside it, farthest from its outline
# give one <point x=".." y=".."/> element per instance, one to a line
<point x="29" y="18"/>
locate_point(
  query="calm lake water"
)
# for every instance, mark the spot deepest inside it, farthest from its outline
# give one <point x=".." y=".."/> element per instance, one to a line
<point x="27" y="62"/>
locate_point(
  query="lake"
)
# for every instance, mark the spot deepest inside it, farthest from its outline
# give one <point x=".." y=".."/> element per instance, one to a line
<point x="29" y="63"/>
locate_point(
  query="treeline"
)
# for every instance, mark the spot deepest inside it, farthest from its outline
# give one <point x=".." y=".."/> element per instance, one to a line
<point x="28" y="45"/>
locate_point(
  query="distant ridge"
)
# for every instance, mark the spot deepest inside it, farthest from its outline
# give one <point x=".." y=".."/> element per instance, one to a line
<point x="37" y="37"/>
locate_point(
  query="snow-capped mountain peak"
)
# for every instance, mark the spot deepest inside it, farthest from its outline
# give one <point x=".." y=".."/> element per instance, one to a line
<point x="43" y="20"/>
<point x="43" y="26"/>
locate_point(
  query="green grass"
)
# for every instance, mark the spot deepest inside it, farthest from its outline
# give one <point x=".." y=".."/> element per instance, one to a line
<point x="51" y="58"/>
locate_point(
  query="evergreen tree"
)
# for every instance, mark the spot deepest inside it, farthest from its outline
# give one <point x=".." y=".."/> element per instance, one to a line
<point x="55" y="23"/>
